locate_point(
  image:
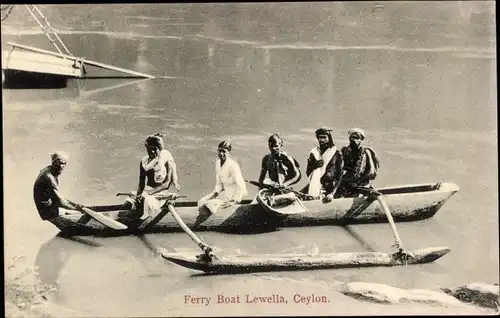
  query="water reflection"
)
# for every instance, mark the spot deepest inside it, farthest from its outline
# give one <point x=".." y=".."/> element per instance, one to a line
<point x="53" y="256"/>
<point x="211" y="49"/>
<point x="74" y="89"/>
<point x="86" y="90"/>
<point x="143" y="64"/>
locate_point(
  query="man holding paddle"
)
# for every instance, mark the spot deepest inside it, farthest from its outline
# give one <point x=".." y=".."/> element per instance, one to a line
<point x="46" y="193"/>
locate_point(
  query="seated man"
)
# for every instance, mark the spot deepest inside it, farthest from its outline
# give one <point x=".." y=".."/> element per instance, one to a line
<point x="324" y="167"/>
<point x="361" y="165"/>
<point x="157" y="172"/>
<point x="46" y="193"/>
<point x="230" y="185"/>
<point x="282" y="168"/>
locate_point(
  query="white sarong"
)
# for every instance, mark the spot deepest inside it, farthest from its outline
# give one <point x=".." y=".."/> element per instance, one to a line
<point x="152" y="203"/>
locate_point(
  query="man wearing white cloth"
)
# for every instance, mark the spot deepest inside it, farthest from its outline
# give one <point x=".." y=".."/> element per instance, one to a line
<point x="157" y="172"/>
<point x="324" y="166"/>
<point x="228" y="179"/>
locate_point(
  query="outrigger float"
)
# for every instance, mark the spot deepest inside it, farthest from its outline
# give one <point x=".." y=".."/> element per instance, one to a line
<point x="208" y="262"/>
<point x="408" y="203"/>
<point x="242" y="264"/>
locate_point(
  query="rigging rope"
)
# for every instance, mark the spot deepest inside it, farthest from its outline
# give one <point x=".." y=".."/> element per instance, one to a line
<point x="6" y="10"/>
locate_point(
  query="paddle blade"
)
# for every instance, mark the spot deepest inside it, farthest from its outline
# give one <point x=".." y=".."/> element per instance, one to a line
<point x="104" y="219"/>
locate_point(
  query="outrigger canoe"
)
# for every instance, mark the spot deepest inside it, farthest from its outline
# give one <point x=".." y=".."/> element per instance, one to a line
<point x="407" y="203"/>
<point x="275" y="262"/>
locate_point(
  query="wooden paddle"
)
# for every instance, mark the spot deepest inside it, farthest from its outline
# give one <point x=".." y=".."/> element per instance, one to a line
<point x="204" y="247"/>
<point x="101" y="218"/>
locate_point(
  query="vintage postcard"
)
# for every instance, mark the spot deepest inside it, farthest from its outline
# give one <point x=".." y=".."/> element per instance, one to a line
<point x="250" y="159"/>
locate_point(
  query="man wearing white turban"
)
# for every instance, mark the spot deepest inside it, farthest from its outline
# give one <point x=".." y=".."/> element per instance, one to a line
<point x="46" y="193"/>
<point x="361" y="165"/>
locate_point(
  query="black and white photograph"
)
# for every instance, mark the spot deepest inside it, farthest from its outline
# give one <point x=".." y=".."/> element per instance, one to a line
<point x="250" y="159"/>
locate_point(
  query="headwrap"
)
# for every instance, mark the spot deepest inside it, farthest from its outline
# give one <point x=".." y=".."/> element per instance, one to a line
<point x="326" y="132"/>
<point x="275" y="138"/>
<point x="225" y="145"/>
<point x="59" y="155"/>
<point x="358" y="132"/>
<point x="155" y="141"/>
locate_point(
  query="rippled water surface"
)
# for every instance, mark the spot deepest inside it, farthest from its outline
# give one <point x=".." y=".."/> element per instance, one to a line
<point x="419" y="78"/>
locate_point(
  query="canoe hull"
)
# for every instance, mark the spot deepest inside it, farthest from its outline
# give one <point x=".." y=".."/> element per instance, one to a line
<point x="407" y="203"/>
<point x="270" y="263"/>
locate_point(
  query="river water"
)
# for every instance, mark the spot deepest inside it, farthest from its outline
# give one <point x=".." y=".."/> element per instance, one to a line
<point x="419" y="78"/>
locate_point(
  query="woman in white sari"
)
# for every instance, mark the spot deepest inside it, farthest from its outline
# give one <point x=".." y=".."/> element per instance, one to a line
<point x="230" y="186"/>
